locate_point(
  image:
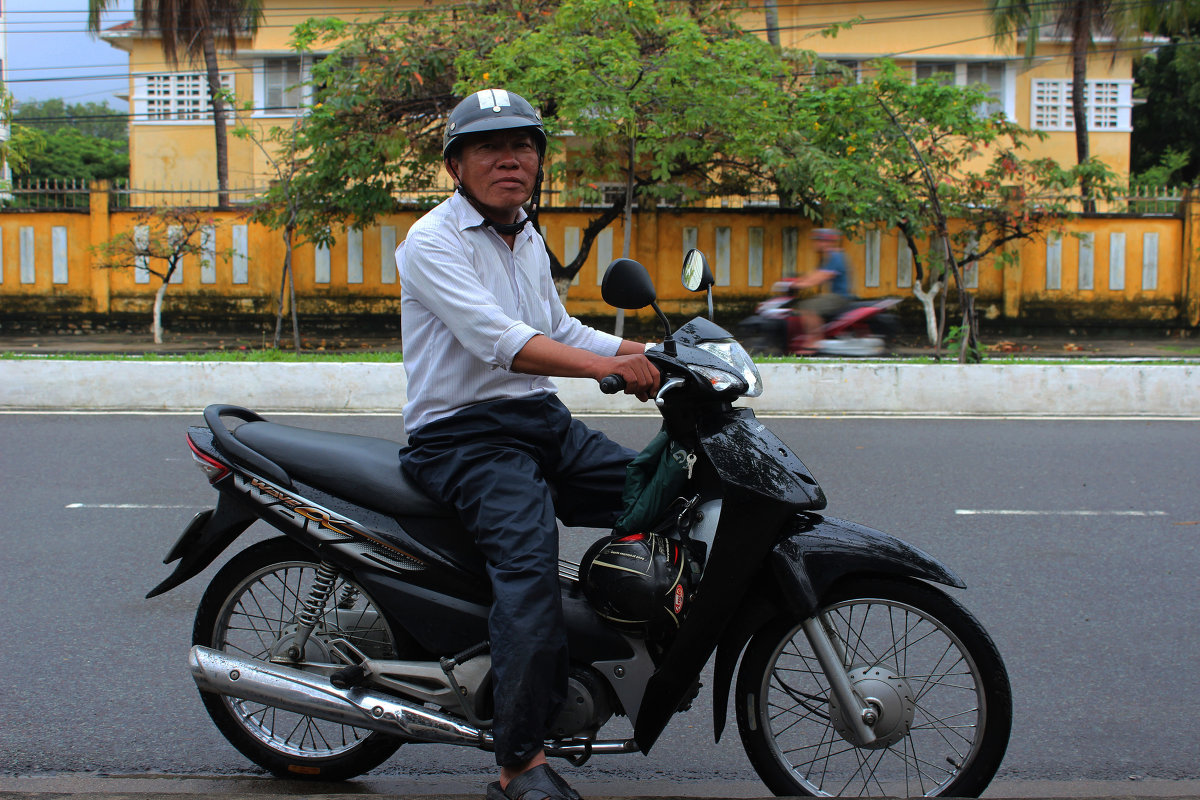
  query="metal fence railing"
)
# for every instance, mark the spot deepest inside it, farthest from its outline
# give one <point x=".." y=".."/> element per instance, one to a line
<point x="74" y="194"/>
<point x="121" y="195"/>
<point x="46" y="195"/>
<point x="1154" y="200"/>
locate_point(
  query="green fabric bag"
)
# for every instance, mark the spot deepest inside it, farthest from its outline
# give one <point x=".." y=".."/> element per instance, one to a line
<point x="652" y="482"/>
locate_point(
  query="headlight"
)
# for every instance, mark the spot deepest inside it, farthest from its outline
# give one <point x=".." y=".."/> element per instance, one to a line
<point x="742" y="369"/>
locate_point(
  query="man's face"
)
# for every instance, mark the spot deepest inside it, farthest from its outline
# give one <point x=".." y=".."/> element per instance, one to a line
<point x="498" y="169"/>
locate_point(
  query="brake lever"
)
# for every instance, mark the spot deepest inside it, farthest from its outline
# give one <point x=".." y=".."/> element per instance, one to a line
<point x="673" y="383"/>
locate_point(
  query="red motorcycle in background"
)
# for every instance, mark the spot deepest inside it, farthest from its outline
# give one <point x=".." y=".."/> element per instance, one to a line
<point x="864" y="328"/>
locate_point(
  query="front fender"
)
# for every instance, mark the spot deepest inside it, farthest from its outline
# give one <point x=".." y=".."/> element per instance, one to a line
<point x="822" y="550"/>
<point x="817" y="553"/>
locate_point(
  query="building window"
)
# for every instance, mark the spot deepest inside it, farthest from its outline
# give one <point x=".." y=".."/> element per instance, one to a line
<point x="281" y="85"/>
<point x="1108" y="105"/>
<point x="993" y="76"/>
<point x="281" y="77"/>
<point x="943" y="70"/>
<point x="174" y="96"/>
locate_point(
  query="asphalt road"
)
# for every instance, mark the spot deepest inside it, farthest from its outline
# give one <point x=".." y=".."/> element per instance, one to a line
<point x="1078" y="540"/>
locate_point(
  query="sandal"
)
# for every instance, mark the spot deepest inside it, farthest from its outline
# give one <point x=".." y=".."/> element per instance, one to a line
<point x="539" y="783"/>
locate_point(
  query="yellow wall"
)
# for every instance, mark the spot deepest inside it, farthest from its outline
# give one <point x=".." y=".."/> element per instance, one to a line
<point x="730" y="239"/>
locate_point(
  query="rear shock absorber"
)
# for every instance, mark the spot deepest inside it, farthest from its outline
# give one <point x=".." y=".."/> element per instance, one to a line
<point x="314" y="606"/>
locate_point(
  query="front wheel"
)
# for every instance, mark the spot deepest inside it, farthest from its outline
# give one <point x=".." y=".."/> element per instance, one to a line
<point x="251" y="609"/>
<point x="918" y="658"/>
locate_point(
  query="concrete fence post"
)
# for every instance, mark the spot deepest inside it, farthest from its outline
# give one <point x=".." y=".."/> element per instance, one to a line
<point x="100" y="231"/>
<point x="1190" y="257"/>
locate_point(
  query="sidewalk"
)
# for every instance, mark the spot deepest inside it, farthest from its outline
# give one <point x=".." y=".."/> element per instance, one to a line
<point x="1066" y="344"/>
<point x="1034" y="377"/>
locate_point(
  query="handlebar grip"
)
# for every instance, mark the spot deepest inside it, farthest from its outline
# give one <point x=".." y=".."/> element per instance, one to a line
<point x="611" y="384"/>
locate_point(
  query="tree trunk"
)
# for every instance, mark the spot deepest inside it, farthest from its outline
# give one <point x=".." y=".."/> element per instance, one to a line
<point x="1081" y="37"/>
<point x="619" y="327"/>
<point x="287" y="272"/>
<point x="282" y="290"/>
<point x="772" y="13"/>
<point x="927" y="298"/>
<point x="218" y="108"/>
<point x="156" y="324"/>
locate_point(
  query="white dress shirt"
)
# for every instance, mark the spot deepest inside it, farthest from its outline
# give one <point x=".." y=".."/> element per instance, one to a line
<point x="468" y="306"/>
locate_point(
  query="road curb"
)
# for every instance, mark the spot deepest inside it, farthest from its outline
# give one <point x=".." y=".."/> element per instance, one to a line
<point x="1083" y="390"/>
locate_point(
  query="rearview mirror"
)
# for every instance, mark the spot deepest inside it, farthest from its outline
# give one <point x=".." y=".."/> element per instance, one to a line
<point x="696" y="275"/>
<point x="627" y="285"/>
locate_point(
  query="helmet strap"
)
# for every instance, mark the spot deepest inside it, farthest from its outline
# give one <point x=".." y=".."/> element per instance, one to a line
<point x="503" y="228"/>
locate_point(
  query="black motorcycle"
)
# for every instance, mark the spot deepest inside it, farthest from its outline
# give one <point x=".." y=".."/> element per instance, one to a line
<point x="364" y="627"/>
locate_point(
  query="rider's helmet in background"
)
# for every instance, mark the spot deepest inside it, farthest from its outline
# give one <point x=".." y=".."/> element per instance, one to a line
<point x="639" y="582"/>
<point x="826" y="235"/>
<point x="492" y="110"/>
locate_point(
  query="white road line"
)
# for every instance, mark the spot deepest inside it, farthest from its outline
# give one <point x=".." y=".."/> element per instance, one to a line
<point x="123" y="505"/>
<point x="1013" y="512"/>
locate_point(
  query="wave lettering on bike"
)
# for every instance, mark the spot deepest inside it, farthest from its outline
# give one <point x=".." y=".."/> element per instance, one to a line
<point x="327" y="520"/>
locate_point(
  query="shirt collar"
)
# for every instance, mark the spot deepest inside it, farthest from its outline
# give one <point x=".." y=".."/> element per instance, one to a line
<point x="468" y="216"/>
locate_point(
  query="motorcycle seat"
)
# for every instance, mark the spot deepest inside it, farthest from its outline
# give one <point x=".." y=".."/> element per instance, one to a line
<point x="362" y="469"/>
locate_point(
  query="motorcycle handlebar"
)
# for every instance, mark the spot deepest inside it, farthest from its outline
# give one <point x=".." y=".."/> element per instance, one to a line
<point x="611" y="384"/>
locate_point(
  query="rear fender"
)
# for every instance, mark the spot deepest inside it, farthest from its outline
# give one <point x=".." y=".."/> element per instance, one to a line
<point x="205" y="538"/>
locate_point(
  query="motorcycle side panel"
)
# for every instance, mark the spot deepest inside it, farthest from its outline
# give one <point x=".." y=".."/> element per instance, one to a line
<point x="748" y="455"/>
<point x="745" y="535"/>
<point x="444" y="624"/>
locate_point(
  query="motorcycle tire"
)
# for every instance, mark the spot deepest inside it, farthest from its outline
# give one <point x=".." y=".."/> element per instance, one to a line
<point x="250" y="609"/>
<point x="918" y="657"/>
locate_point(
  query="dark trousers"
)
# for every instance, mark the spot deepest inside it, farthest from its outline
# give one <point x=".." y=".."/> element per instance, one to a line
<point x="510" y="467"/>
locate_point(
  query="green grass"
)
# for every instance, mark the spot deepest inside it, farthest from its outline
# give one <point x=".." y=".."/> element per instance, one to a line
<point x="1182" y="350"/>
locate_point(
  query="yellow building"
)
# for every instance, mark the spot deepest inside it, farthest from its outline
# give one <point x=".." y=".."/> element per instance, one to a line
<point x="953" y="39"/>
<point x="171" y="135"/>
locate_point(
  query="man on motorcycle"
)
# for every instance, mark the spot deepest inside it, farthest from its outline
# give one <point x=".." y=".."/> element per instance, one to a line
<point x="483" y="331"/>
<point x="831" y="272"/>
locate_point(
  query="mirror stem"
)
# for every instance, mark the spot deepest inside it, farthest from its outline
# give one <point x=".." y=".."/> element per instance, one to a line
<point x="668" y="341"/>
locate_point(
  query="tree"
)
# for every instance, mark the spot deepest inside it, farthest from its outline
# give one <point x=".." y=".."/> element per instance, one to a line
<point x="1081" y="21"/>
<point x="372" y="138"/>
<point x="673" y="101"/>
<point x="1163" y="148"/>
<point x="67" y="154"/>
<point x="889" y="153"/>
<point x="680" y="83"/>
<point x="166" y="235"/>
<point x="197" y="28"/>
<point x="16" y="149"/>
<point x="282" y="208"/>
<point x="91" y="119"/>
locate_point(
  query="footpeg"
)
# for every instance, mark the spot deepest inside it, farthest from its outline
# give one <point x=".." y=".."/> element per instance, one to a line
<point x="351" y="676"/>
<point x="357" y="669"/>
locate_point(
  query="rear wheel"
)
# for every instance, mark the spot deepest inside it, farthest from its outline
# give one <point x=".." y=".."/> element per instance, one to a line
<point x="250" y="609"/>
<point x="918" y="658"/>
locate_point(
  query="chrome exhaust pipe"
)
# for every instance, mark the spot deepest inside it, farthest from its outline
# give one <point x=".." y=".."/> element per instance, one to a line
<point x="313" y="695"/>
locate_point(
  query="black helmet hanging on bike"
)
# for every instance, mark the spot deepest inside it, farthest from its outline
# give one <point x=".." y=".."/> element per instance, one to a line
<point x="492" y="110"/>
<point x="640" y="582"/>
